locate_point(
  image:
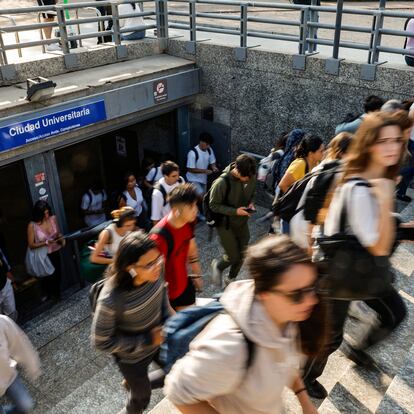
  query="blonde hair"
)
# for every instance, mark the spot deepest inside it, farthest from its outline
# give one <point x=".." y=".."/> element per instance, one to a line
<point x="338" y="146"/>
<point x="123" y="214"/>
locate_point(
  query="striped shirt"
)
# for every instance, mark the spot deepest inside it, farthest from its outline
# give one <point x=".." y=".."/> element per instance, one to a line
<point x="129" y="339"/>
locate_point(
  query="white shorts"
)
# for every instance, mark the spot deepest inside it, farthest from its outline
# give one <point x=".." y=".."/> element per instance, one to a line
<point x="7" y="302"/>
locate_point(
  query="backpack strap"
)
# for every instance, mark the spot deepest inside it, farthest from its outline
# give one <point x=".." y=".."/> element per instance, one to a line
<point x="226" y="196"/>
<point x="163" y="191"/>
<point x="155" y="174"/>
<point x="167" y="236"/>
<point x="251" y="349"/>
<point x="344" y="213"/>
<point x="197" y="156"/>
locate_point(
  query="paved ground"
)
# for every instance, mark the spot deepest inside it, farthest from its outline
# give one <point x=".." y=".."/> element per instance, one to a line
<point x="277" y="45"/>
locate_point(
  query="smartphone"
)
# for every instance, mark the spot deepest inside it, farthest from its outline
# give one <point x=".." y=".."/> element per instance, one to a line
<point x="250" y="210"/>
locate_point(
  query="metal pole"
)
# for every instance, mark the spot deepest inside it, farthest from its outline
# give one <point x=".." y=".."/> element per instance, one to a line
<point x="338" y="27"/>
<point x="243" y="25"/>
<point x="162" y="22"/>
<point x="303" y="44"/>
<point x="377" y="37"/>
<point x="115" y="23"/>
<point x="381" y="5"/>
<point x="193" y="27"/>
<point x="3" y="54"/>
<point x="62" y="30"/>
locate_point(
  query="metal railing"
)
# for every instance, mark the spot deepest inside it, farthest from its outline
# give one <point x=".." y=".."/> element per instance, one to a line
<point x="64" y="24"/>
<point x="238" y="21"/>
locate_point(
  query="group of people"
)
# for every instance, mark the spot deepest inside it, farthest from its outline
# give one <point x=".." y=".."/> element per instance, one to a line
<point x="277" y="328"/>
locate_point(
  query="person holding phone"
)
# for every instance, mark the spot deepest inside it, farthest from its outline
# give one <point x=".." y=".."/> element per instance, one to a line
<point x="42" y="231"/>
<point x="232" y="196"/>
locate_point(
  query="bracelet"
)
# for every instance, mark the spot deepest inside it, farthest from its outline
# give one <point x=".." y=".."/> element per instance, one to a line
<point x="299" y="391"/>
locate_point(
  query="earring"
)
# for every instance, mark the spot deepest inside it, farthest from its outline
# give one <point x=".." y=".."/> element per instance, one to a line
<point x="132" y="272"/>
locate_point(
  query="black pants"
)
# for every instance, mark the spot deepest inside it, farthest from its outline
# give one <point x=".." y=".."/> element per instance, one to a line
<point x="140" y="382"/>
<point x="391" y="311"/>
<point x="51" y="284"/>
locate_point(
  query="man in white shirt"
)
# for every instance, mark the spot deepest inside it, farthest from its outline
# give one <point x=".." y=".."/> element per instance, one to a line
<point x="92" y="205"/>
<point x="201" y="162"/>
<point x="171" y="179"/>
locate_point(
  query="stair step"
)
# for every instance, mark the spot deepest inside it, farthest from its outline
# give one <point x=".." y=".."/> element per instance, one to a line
<point x="399" y="397"/>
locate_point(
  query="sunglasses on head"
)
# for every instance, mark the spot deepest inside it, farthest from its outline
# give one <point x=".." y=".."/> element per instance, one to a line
<point x="297" y="296"/>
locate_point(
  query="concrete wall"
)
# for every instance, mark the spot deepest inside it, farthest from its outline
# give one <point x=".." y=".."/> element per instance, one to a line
<point x="264" y="96"/>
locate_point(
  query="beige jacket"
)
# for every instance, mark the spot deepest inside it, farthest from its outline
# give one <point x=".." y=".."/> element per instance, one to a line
<point x="214" y="369"/>
<point x="15" y="348"/>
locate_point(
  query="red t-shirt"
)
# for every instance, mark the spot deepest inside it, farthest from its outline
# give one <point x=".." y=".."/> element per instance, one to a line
<point x="176" y="264"/>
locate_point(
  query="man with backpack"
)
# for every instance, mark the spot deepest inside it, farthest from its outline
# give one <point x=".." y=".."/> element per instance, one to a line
<point x="201" y="162"/>
<point x="171" y="178"/>
<point x="231" y="197"/>
<point x="93" y="205"/>
<point x="174" y="235"/>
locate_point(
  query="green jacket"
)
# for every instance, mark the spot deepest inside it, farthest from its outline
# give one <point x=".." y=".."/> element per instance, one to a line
<point x="240" y="195"/>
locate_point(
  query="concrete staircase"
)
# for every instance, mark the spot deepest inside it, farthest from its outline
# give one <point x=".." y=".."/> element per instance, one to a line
<point x="353" y="390"/>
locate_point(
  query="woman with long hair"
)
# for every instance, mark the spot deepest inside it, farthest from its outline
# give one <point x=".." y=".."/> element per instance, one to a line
<point x="130" y="312"/>
<point x="373" y="160"/>
<point x="43" y="231"/>
<point x="111" y="236"/>
<point x="214" y="377"/>
<point x="132" y="196"/>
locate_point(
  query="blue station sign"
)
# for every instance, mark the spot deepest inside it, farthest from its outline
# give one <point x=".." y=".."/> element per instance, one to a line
<point x="46" y="126"/>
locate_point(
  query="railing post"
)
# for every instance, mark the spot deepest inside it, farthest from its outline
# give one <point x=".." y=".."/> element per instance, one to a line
<point x="190" y="46"/>
<point x="62" y="30"/>
<point x="338" y="28"/>
<point x="304" y="17"/>
<point x="162" y="23"/>
<point x="3" y="54"/>
<point x="241" y="52"/>
<point x="312" y="31"/>
<point x="115" y="24"/>
<point x="377" y="36"/>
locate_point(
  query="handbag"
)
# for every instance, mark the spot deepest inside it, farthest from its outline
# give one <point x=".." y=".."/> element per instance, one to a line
<point x="90" y="271"/>
<point x="349" y="271"/>
<point x="37" y="261"/>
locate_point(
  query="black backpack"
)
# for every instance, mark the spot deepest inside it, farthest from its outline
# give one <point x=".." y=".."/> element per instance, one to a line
<point x="316" y="196"/>
<point x="215" y="219"/>
<point x="286" y="206"/>
<point x="162" y="190"/>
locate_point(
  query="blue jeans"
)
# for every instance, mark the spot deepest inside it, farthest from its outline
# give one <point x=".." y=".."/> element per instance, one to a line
<point x="22" y="402"/>
<point x="134" y="35"/>
<point x="284" y="227"/>
<point x="407" y="172"/>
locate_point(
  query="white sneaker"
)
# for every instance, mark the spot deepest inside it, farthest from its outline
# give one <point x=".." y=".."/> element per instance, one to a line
<point x="216" y="273"/>
<point x="53" y="47"/>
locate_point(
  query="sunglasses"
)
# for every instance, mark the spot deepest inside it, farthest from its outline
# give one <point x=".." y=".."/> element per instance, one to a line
<point x="158" y="261"/>
<point x="297" y="296"/>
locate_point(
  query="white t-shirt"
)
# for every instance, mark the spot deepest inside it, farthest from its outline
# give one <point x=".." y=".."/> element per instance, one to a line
<point x="130" y="21"/>
<point x="362" y="213"/>
<point x="204" y="160"/>
<point x="158" y="209"/>
<point x="91" y="201"/>
<point x="135" y="204"/>
<point x="154" y="174"/>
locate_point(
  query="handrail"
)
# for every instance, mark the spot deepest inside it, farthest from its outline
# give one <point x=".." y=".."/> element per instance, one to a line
<point x="305" y="21"/>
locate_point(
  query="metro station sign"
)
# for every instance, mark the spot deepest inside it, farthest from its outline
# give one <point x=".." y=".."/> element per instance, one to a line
<point x="55" y="123"/>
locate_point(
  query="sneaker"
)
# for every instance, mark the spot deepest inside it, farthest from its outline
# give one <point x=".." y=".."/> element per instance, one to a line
<point x="216" y="273"/>
<point x="404" y="198"/>
<point x="316" y="389"/>
<point x="53" y="47"/>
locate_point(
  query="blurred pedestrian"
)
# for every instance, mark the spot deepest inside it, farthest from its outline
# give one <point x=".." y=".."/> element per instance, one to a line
<point x="215" y="376"/>
<point x="232" y="196"/>
<point x="7" y="301"/>
<point x="409" y="42"/>
<point x="49" y="17"/>
<point x="93" y="205"/>
<point x="131" y="22"/>
<point x="374" y="158"/>
<point x="130" y="312"/>
<point x="16" y="349"/>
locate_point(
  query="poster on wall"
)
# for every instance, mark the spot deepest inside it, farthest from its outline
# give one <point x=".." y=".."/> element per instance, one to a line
<point x="121" y="147"/>
<point x="18" y="134"/>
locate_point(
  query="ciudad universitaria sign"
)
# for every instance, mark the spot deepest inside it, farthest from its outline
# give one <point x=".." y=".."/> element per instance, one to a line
<point x="46" y="126"/>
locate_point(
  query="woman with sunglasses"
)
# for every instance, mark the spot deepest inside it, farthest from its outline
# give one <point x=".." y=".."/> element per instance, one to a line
<point x="129" y="315"/>
<point x="213" y="377"/>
